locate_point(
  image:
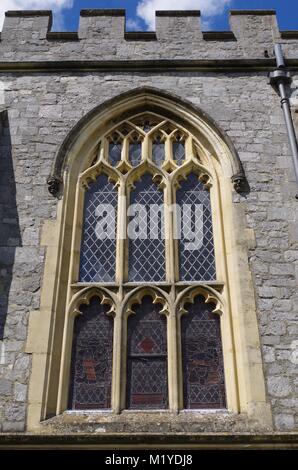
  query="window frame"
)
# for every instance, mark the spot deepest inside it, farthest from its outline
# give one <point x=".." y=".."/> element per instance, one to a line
<point x="169" y="181"/>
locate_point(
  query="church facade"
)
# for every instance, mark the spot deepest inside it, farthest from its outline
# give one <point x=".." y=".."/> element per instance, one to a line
<point x="114" y="328"/>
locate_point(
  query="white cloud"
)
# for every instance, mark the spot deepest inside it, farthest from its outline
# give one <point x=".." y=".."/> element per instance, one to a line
<point x="133" y="25"/>
<point x="206" y="25"/>
<point x="146" y="8"/>
<point x="55" y="5"/>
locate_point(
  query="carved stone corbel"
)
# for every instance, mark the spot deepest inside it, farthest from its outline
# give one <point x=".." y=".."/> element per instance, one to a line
<point x="240" y="183"/>
<point x="54" y="185"/>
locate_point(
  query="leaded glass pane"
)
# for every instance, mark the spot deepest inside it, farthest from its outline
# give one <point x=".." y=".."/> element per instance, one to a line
<point x="147" y="126"/>
<point x="135" y="153"/>
<point x="98" y="248"/>
<point x="91" y="365"/>
<point x="179" y="151"/>
<point x="196" y="248"/>
<point x="115" y="153"/>
<point x="158" y="151"/>
<point x="203" y="374"/>
<point x="147" y="384"/>
<point x="146" y="244"/>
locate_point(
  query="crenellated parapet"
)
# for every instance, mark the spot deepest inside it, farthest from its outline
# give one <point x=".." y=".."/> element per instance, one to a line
<point x="102" y="35"/>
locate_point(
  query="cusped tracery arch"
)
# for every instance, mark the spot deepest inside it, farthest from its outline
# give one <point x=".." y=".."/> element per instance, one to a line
<point x="127" y="107"/>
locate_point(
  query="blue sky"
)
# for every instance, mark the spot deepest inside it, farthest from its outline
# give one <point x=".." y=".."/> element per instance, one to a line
<point x="139" y="13"/>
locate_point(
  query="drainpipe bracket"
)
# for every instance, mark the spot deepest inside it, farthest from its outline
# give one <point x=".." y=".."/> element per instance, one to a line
<point x="279" y="76"/>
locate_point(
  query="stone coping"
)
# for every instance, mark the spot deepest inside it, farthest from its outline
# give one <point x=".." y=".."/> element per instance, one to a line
<point x="175" y="13"/>
<point x="216" y="65"/>
<point x="150" y="440"/>
<point x="253" y="12"/>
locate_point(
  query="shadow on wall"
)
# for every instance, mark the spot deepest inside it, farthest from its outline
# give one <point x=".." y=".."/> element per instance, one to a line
<point x="10" y="236"/>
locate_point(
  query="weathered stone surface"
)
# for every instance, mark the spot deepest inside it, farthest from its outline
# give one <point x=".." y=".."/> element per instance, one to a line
<point x="285" y="421"/>
<point x="5" y="387"/>
<point x="279" y="386"/>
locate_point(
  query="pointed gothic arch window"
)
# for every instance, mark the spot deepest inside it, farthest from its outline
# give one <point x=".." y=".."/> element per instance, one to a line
<point x="126" y="239"/>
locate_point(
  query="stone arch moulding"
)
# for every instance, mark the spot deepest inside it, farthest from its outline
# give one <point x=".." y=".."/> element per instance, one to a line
<point x="130" y="102"/>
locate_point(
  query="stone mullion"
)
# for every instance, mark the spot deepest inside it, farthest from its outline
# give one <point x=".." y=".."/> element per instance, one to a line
<point x="171" y="319"/>
<point x="117" y="355"/>
<point x="121" y="234"/>
<point x="179" y="362"/>
<point x="120" y="274"/>
<point x="168" y="150"/>
<point x="123" y="370"/>
<point x="188" y="148"/>
<point x="146" y="149"/>
<point x="125" y="151"/>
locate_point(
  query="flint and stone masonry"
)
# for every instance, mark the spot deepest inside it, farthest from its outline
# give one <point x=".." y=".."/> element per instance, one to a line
<point x="49" y="81"/>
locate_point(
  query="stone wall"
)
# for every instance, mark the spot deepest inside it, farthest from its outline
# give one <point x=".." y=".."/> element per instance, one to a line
<point x="41" y="108"/>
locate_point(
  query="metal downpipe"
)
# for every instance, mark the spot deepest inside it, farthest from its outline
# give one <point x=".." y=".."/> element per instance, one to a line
<point x="279" y="79"/>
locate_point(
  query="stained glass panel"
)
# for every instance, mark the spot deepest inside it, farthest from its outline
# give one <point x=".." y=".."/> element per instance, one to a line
<point x="98" y="248"/>
<point x="146" y="244"/>
<point x="203" y="375"/>
<point x="196" y="248"/>
<point x="147" y="385"/>
<point x="91" y="365"/>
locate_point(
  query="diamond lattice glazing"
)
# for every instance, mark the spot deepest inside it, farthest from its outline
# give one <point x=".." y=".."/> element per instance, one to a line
<point x="147" y="255"/>
<point x="196" y="264"/>
<point x="98" y="256"/>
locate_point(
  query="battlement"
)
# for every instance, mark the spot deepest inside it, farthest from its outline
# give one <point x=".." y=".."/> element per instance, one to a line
<point x="102" y="35"/>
